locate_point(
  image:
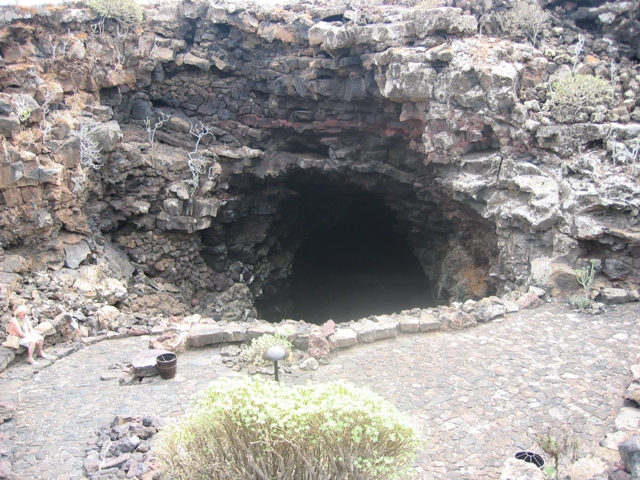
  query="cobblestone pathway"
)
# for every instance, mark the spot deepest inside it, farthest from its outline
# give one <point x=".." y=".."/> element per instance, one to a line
<point x="480" y="394"/>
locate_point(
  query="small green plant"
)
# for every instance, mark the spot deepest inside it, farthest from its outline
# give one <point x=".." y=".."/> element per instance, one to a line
<point x="585" y="277"/>
<point x="524" y="20"/>
<point x="23" y="110"/>
<point x="255" y="429"/>
<point x="127" y="12"/>
<point x="558" y="446"/>
<point x="581" y="303"/>
<point x="577" y="93"/>
<point x="253" y="353"/>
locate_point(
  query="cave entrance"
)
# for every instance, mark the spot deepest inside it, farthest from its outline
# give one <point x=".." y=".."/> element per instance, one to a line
<point x="351" y="259"/>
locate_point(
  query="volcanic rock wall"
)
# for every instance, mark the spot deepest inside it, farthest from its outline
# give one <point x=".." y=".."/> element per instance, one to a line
<point x="212" y="121"/>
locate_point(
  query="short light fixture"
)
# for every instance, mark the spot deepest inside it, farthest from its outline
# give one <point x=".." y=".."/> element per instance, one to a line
<point x="275" y="353"/>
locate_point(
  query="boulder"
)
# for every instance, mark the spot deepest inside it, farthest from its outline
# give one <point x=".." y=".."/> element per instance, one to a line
<point x="489" y="309"/>
<point x="628" y="419"/>
<point x="234" y="332"/>
<point x="585" y="467"/>
<point x="343" y="337"/>
<point x="456" y="319"/>
<point x="76" y="254"/>
<point x="173" y="339"/>
<point x="614" y="295"/>
<point x="9" y="125"/>
<point x="45" y="329"/>
<point x="318" y="345"/>
<point x="201" y="63"/>
<point x="408" y="324"/>
<point x="613" y="440"/>
<point x="617" y="269"/>
<point x="108" y="136"/>
<point x="529" y="301"/>
<point x="630" y="454"/>
<point x="310" y="364"/>
<point x="515" y="469"/>
<point x="144" y="363"/>
<point x="107" y="317"/>
<point x="112" y="291"/>
<point x="429" y="321"/>
<point x="201" y="335"/>
<point x="373" y="329"/>
<point x="259" y="329"/>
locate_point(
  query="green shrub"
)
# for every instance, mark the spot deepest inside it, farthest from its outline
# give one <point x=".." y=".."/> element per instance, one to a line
<point x="576" y="93"/>
<point x="524" y="20"/>
<point x="253" y="354"/>
<point x="125" y="11"/>
<point x="581" y="303"/>
<point x="255" y="429"/>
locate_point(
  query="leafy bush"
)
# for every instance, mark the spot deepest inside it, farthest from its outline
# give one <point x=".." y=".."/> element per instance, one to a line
<point x="125" y="11"/>
<point x="255" y="429"/>
<point x="253" y="354"/>
<point x="524" y="20"/>
<point x="581" y="303"/>
<point x="576" y="93"/>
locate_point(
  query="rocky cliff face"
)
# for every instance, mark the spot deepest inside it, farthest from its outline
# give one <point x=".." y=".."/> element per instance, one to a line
<point x="234" y="141"/>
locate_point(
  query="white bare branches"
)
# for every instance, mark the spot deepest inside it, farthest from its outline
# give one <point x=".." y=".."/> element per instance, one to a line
<point x="89" y="148"/>
<point x="200" y="131"/>
<point x="578" y="50"/>
<point x="151" y="130"/>
<point x="197" y="163"/>
<point x="50" y="95"/>
<point x="620" y="151"/>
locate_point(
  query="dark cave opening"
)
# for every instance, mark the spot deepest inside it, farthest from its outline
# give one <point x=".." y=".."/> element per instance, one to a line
<point x="350" y="262"/>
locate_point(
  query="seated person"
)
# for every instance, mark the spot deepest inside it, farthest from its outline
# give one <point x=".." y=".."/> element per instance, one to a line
<point x="29" y="338"/>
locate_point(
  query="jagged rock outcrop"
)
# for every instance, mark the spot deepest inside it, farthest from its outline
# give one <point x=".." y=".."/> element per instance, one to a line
<point x="261" y="123"/>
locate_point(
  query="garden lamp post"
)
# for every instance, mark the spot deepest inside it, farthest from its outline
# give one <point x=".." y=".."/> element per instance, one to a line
<point x="274" y="354"/>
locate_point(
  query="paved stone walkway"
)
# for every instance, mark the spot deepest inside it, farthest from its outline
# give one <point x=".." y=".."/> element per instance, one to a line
<point x="480" y="394"/>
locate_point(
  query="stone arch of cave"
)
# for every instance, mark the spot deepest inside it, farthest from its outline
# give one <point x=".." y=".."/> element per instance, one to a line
<point x="351" y="256"/>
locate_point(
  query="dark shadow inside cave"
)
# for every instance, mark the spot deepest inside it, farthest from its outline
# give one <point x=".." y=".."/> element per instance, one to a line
<point x="351" y="261"/>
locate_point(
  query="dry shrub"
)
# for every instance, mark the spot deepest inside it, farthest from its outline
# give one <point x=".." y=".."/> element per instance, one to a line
<point x="26" y="136"/>
<point x="256" y="429"/>
<point x="65" y="116"/>
<point x="78" y="101"/>
<point x="524" y="20"/>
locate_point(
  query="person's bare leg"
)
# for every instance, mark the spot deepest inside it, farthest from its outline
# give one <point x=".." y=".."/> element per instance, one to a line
<point x="40" y="344"/>
<point x="30" y="349"/>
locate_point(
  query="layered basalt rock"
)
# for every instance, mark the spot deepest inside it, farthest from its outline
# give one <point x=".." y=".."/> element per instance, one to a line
<point x="301" y="119"/>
